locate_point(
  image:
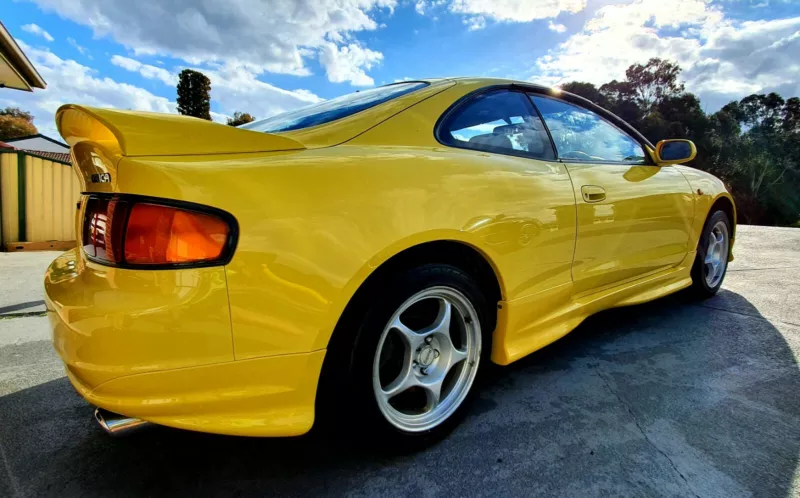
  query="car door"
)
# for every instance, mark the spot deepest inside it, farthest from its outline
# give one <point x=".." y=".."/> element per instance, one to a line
<point x="532" y="229"/>
<point x="633" y="218"/>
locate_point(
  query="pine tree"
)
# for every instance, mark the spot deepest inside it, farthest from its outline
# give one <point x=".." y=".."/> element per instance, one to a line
<point x="194" y="94"/>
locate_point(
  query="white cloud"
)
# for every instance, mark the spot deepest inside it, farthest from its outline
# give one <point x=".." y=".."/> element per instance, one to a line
<point x="421" y="6"/>
<point x="76" y="46"/>
<point x="147" y="71"/>
<point x="263" y="35"/>
<point x="71" y="82"/>
<point x="474" y="23"/>
<point x="722" y="59"/>
<point x="35" y="29"/>
<point x="348" y="63"/>
<point x="478" y="11"/>
<point x="232" y="88"/>
<point x="558" y="28"/>
<point x="237" y="89"/>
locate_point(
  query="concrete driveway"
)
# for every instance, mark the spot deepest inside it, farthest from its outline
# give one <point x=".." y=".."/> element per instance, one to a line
<point x="671" y="398"/>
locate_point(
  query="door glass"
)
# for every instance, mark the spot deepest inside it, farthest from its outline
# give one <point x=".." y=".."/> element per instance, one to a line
<point x="580" y="134"/>
<point x="501" y="121"/>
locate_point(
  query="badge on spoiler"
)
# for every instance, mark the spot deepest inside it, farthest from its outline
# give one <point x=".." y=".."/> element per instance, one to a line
<point x="101" y="178"/>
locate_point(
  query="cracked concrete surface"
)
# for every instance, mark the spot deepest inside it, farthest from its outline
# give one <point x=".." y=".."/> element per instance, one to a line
<point x="671" y="398"/>
<point x="644" y="432"/>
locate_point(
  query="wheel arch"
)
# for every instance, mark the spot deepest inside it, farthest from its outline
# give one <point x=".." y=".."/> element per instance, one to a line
<point x="725" y="204"/>
<point x="456" y="251"/>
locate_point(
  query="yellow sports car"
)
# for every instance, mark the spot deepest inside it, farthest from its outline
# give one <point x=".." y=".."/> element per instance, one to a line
<point x="361" y="261"/>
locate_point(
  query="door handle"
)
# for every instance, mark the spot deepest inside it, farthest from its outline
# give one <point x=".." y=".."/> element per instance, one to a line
<point x="593" y="193"/>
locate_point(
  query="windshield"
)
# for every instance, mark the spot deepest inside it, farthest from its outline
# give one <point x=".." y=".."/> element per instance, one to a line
<point x="331" y="110"/>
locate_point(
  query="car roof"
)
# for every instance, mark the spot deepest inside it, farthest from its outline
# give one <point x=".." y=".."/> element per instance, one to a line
<point x="485" y="81"/>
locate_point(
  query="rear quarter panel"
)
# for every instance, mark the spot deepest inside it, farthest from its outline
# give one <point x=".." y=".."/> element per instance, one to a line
<point x="315" y="224"/>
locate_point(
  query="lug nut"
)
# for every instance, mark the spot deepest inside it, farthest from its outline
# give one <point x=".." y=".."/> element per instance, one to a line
<point x="428" y="340"/>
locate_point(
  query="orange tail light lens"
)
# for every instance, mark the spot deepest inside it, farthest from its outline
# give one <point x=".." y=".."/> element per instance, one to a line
<point x="127" y="232"/>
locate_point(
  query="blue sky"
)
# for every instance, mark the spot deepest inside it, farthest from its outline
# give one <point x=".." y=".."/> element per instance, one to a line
<point x="268" y="56"/>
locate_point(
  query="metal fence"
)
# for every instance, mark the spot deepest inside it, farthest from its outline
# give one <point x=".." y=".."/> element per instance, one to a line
<point x="38" y="198"/>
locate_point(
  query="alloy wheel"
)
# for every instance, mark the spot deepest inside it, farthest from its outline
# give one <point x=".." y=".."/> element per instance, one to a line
<point x="427" y="359"/>
<point x="716" y="260"/>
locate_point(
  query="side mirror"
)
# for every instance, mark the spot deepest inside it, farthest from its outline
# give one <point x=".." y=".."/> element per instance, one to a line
<point x="675" y="151"/>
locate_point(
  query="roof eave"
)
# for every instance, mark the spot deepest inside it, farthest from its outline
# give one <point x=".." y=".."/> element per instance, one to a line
<point x="19" y="61"/>
<point x="37" y="135"/>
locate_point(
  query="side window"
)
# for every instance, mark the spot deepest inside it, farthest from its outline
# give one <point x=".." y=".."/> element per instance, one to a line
<point x="583" y="135"/>
<point x="501" y="121"/>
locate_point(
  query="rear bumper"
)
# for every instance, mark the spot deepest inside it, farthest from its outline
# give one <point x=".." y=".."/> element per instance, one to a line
<point x="272" y="396"/>
<point x="157" y="345"/>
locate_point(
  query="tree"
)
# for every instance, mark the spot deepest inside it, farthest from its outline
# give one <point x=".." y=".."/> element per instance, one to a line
<point x="653" y="82"/>
<point x="587" y="91"/>
<point x="194" y="94"/>
<point x="760" y="110"/>
<point x="791" y="118"/>
<point x="753" y="144"/>
<point x="621" y="100"/>
<point x="763" y="164"/>
<point x="616" y="92"/>
<point x="15" y="123"/>
<point x="240" y="118"/>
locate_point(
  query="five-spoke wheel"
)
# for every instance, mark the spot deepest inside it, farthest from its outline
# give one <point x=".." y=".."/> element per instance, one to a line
<point x="402" y="366"/>
<point x="427" y="358"/>
<point x="713" y="250"/>
<point x="716" y="260"/>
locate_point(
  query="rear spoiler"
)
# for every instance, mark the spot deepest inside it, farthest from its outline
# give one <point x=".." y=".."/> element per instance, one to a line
<point x="136" y="133"/>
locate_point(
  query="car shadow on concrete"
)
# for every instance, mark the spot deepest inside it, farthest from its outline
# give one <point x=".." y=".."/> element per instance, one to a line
<point x="664" y="399"/>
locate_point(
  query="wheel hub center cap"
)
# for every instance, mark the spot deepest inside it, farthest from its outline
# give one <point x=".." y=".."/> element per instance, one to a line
<point x="427" y="355"/>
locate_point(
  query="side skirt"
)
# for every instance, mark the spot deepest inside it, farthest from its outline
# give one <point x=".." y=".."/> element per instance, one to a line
<point x="530" y="323"/>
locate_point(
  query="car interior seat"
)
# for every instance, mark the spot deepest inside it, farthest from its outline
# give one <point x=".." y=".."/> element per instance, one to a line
<point x="494" y="140"/>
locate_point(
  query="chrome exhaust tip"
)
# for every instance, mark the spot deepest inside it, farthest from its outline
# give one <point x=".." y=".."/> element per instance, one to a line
<point x="116" y="424"/>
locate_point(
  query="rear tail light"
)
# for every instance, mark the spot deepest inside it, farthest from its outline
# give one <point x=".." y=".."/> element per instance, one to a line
<point x="132" y="231"/>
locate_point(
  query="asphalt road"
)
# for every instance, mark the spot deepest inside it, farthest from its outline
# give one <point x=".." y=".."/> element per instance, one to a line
<point x="671" y="398"/>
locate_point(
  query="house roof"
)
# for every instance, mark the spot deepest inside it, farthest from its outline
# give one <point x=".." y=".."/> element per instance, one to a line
<point x="16" y="71"/>
<point x="38" y="135"/>
<point x="61" y="157"/>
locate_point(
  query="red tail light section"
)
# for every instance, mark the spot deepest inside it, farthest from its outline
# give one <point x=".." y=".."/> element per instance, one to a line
<point x="102" y="230"/>
<point x="128" y="231"/>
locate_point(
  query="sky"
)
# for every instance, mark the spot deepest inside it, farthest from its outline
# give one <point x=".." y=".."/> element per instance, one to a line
<point x="269" y="56"/>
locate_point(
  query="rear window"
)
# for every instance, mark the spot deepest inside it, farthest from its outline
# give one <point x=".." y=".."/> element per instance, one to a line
<point x="331" y="110"/>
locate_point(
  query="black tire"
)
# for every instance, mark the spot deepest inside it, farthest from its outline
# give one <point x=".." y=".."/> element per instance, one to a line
<point x="347" y="404"/>
<point x="700" y="288"/>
